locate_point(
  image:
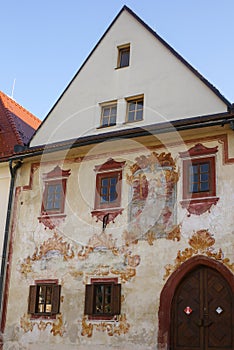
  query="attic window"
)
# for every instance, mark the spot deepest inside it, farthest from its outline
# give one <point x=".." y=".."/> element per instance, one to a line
<point x="123" y="56"/>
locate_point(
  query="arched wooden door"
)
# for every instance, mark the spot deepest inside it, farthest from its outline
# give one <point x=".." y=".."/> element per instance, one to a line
<point x="202" y="314"/>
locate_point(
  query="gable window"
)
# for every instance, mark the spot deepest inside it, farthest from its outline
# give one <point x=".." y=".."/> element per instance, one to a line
<point x="102" y="298"/>
<point x="108" y="189"/>
<point x="44" y="298"/>
<point x="123" y="56"/>
<point x="108" y="117"/>
<point x="53" y="201"/>
<point x="199" y="179"/>
<point x="135" y="109"/>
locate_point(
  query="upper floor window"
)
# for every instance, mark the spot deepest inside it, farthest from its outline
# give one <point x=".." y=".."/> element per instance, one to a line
<point x="135" y="109"/>
<point x="108" y="117"/>
<point x="54" y="191"/>
<point x="123" y="56"/>
<point x="102" y="298"/>
<point x="108" y="185"/>
<point x="44" y="298"/>
<point x="199" y="178"/>
<point x="108" y="190"/>
<point x="53" y="200"/>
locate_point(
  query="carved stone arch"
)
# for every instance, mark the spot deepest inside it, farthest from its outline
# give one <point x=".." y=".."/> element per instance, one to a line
<point x="166" y="297"/>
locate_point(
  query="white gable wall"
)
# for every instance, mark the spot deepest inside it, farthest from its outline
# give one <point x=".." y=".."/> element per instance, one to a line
<point x="171" y="91"/>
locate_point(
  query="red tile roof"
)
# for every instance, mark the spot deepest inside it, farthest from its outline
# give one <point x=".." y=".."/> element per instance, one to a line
<point x="17" y="125"/>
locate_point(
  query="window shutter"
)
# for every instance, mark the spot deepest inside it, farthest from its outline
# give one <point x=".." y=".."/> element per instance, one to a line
<point x="116" y="299"/>
<point x="89" y="293"/>
<point x="32" y="299"/>
<point x="56" y="299"/>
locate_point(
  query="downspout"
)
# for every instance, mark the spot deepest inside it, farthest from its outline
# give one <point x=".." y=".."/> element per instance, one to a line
<point x="4" y="265"/>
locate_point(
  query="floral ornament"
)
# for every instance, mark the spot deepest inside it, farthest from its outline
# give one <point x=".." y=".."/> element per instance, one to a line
<point x="120" y="326"/>
<point x="201" y="242"/>
<point x="53" y="244"/>
<point x="57" y="327"/>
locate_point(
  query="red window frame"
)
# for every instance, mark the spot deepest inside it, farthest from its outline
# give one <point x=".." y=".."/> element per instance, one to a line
<point x="186" y="178"/>
<point x="56" y="177"/>
<point x="99" y="203"/>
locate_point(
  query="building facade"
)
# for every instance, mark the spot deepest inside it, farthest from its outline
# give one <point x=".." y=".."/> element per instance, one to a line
<point x="17" y="126"/>
<point x="121" y="226"/>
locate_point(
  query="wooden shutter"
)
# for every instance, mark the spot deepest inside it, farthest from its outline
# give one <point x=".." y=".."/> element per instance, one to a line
<point x="32" y="299"/>
<point x="116" y="299"/>
<point x="56" y="299"/>
<point x="89" y="294"/>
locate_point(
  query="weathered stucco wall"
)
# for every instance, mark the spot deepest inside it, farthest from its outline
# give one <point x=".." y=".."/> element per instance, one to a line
<point x="77" y="249"/>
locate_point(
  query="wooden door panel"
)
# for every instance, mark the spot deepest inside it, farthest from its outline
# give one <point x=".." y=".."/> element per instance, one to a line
<point x="187" y="332"/>
<point x="220" y="312"/>
<point x="202" y="312"/>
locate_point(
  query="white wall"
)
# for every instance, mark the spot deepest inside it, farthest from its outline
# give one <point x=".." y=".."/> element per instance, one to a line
<point x="171" y="91"/>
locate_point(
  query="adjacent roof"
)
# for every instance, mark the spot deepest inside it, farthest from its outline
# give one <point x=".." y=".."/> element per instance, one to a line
<point x="17" y="125"/>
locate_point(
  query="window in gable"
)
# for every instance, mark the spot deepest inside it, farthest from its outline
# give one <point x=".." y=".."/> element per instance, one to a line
<point x="53" y="201"/>
<point x="102" y="298"/>
<point x="135" y="108"/>
<point x="123" y="56"/>
<point x="108" y="116"/>
<point x="108" y="190"/>
<point x="199" y="179"/>
<point x="44" y="298"/>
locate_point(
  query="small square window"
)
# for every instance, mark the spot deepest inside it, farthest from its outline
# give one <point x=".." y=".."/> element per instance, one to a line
<point x="135" y="110"/>
<point x="123" y="56"/>
<point x="108" y="117"/>
<point x="44" y="298"/>
<point x="102" y="298"/>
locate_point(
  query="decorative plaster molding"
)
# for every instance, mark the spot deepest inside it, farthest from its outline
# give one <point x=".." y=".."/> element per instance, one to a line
<point x="201" y="242"/>
<point x="54" y="243"/>
<point x="118" y="327"/>
<point x="57" y="327"/>
<point x="110" y="214"/>
<point x="198" y="206"/>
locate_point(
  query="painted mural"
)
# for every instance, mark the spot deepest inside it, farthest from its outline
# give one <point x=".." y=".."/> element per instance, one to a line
<point x="152" y="208"/>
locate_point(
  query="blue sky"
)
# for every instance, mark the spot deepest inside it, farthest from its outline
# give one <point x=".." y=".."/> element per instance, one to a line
<point x="43" y="43"/>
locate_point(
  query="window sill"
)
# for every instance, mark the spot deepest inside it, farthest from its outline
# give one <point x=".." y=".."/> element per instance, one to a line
<point x="51" y="220"/>
<point x="112" y="214"/>
<point x="106" y="126"/>
<point x="199" y="206"/>
<point x="42" y="317"/>
<point x="113" y="318"/>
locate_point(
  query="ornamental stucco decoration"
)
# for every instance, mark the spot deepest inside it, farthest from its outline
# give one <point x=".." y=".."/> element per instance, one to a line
<point x="152" y="197"/>
<point x="118" y="327"/>
<point x="57" y="327"/>
<point x="53" y="244"/>
<point x="201" y="242"/>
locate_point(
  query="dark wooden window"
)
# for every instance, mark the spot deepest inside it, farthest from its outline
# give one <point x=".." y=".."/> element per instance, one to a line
<point x="108" y="117"/>
<point x="199" y="178"/>
<point x="108" y="189"/>
<point x="103" y="299"/>
<point x="123" y="56"/>
<point x="135" y="110"/>
<point x="44" y="299"/>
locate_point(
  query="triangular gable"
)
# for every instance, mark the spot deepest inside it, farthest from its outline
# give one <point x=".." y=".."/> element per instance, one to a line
<point x="74" y="99"/>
